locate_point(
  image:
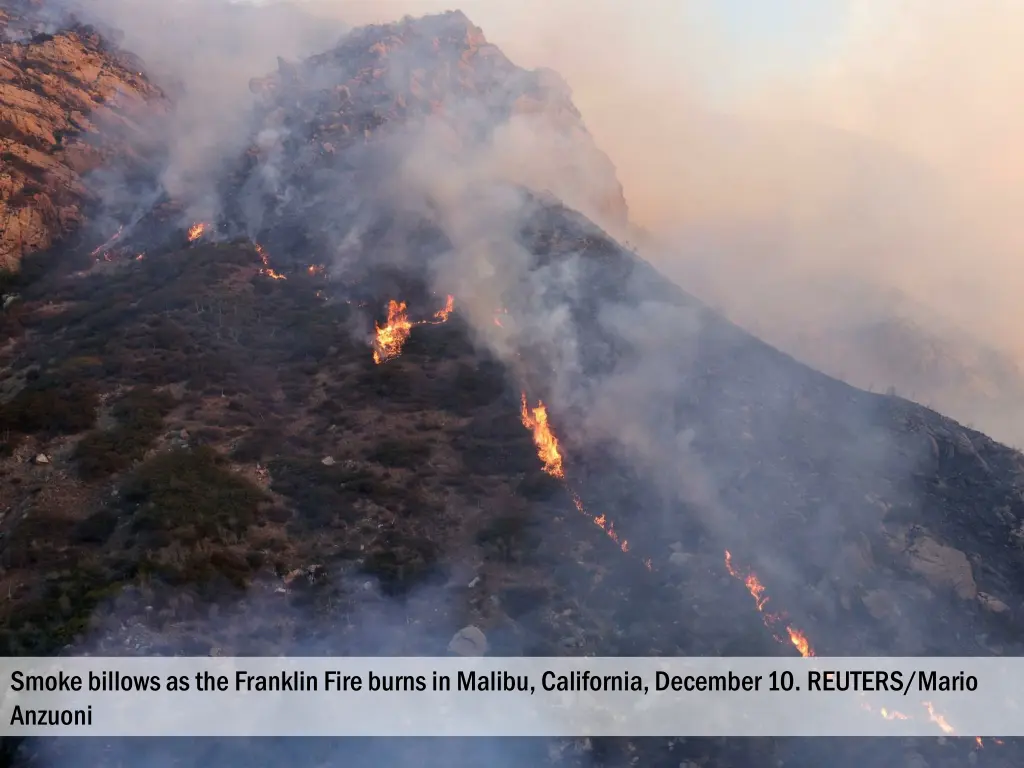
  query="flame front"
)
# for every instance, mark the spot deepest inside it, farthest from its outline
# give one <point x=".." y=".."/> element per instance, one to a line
<point x="442" y="314"/>
<point x="113" y="239"/>
<point x="266" y="270"/>
<point x="536" y="420"/>
<point x="802" y="644"/>
<point x="938" y="719"/>
<point x="196" y="231"/>
<point x="392" y="336"/>
<point x="771" y="620"/>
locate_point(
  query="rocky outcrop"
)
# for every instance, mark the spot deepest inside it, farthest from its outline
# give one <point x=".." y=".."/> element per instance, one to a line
<point x="316" y="115"/>
<point x="944" y="567"/>
<point x="68" y="102"/>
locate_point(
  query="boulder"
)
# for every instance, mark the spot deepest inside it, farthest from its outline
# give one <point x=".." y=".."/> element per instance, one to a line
<point x="992" y="604"/>
<point x="468" y="641"/>
<point x="943" y="567"/>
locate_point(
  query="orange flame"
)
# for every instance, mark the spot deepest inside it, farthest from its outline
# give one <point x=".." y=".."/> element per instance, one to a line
<point x="800" y="642"/>
<point x="938" y="719"/>
<point x="536" y="420"/>
<point x="893" y="715"/>
<point x="757" y="591"/>
<point x="196" y="231"/>
<point x="392" y="336"/>
<point x="803" y="646"/>
<point x="113" y="239"/>
<point x="981" y="743"/>
<point x="443" y="313"/>
<point x="267" y="271"/>
<point x="315" y="269"/>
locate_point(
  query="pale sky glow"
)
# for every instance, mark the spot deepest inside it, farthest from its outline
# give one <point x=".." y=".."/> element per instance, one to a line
<point x="763" y="39"/>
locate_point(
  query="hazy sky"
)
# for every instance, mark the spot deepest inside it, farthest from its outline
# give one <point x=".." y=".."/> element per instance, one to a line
<point x="874" y="136"/>
<point x="769" y="39"/>
<point x="754" y="39"/>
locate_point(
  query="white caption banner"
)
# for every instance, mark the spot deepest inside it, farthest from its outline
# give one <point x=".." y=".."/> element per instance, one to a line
<point x="554" y="697"/>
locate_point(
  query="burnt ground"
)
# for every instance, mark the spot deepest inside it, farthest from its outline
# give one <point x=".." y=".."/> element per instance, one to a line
<point x="186" y="404"/>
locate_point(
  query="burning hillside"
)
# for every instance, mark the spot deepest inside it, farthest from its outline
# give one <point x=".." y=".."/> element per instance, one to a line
<point x="273" y="435"/>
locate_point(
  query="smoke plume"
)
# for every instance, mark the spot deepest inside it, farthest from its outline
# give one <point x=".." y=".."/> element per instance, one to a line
<point x="811" y="204"/>
<point x="858" y="212"/>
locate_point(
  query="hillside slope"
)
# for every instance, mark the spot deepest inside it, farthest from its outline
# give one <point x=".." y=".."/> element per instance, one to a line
<point x="204" y="454"/>
<point x="70" y="102"/>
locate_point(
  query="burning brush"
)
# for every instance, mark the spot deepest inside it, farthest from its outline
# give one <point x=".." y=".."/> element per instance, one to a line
<point x="536" y="420"/>
<point x="266" y="270"/>
<point x="771" y="620"/>
<point x="391" y="337"/>
<point x="100" y="250"/>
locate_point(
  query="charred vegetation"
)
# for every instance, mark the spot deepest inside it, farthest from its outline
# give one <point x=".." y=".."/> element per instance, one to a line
<point x="227" y="468"/>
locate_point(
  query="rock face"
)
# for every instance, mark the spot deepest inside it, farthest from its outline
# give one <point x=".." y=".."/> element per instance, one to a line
<point x="316" y="116"/>
<point x="943" y="566"/>
<point x="68" y="102"/>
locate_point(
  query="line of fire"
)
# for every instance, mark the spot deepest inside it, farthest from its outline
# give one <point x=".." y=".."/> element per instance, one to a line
<point x="387" y="344"/>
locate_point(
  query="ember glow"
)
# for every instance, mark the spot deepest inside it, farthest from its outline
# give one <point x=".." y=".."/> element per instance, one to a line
<point x="196" y="231"/>
<point x="266" y="271"/>
<point x="981" y="742"/>
<point x="771" y="620"/>
<point x="315" y="269"/>
<point x="390" y="338"/>
<point x="116" y="236"/>
<point x="893" y="715"/>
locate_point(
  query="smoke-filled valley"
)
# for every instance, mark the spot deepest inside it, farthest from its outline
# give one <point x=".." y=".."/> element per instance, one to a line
<point x="331" y="340"/>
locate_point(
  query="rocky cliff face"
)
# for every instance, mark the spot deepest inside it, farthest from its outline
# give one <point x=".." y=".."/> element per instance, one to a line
<point x="69" y="102"/>
<point x="316" y="116"/>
